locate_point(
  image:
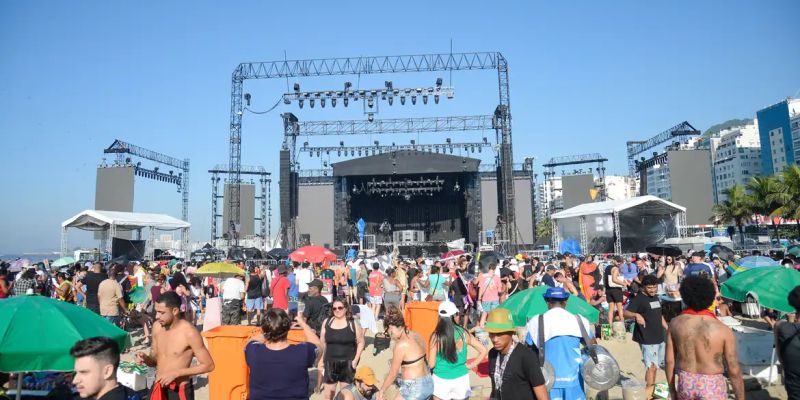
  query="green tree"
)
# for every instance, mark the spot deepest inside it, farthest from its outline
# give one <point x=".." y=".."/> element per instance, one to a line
<point x="761" y="198"/>
<point x="734" y="210"/>
<point x="544" y="229"/>
<point x="788" y="194"/>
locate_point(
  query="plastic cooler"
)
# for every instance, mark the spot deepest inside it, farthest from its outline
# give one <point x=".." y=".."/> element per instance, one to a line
<point x="230" y="378"/>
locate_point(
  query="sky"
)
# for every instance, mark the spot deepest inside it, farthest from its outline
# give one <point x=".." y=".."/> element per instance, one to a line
<point x="585" y="77"/>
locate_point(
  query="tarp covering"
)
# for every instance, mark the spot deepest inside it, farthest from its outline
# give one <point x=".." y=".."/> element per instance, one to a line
<point x="97" y="220"/>
<point x="611" y="206"/>
<point x="640" y="221"/>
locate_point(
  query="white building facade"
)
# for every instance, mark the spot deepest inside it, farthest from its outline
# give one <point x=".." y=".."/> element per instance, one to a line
<point x="621" y="187"/>
<point x="737" y="158"/>
<point x="549" y="198"/>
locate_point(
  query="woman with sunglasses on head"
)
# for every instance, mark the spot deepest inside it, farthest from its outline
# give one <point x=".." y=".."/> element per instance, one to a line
<point x="343" y="342"/>
<point x="408" y="361"/>
<point x="672" y="271"/>
<point x="447" y="356"/>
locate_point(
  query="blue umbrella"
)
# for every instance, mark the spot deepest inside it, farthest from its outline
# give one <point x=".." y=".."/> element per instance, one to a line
<point x="570" y="246"/>
<point x="757" y="262"/>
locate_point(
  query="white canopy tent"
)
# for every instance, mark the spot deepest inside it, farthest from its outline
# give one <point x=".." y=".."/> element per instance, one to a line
<point x="621" y="226"/>
<point x="111" y="222"/>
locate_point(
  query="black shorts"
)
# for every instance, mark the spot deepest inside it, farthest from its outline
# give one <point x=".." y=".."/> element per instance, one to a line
<point x="338" y="371"/>
<point x="614" y="295"/>
<point x="184" y="391"/>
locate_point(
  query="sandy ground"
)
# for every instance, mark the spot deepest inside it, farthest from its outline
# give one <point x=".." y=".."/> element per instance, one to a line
<point x="627" y="354"/>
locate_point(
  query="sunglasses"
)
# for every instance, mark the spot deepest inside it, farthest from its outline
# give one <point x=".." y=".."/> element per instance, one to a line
<point x="337" y="308"/>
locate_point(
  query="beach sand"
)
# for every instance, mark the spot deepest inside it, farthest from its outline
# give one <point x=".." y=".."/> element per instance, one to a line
<point x="626" y="352"/>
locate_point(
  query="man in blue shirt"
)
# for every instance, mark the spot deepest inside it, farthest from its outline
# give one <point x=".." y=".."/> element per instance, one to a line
<point x="561" y="344"/>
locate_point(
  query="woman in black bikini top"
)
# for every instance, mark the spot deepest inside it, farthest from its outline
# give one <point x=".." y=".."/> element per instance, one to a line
<point x="408" y="360"/>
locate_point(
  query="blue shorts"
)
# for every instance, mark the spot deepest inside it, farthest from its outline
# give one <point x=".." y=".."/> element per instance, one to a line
<point x="254" y="304"/>
<point x="570" y="393"/>
<point x="488" y="306"/>
<point x="653" y="354"/>
<point x="416" y="389"/>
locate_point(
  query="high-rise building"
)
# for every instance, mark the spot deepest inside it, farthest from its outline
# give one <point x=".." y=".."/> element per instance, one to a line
<point x="549" y="199"/>
<point x="621" y="187"/>
<point x="682" y="175"/>
<point x="737" y="158"/>
<point x="780" y="146"/>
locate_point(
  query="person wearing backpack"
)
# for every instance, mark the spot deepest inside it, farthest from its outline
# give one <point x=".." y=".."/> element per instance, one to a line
<point x="315" y="311"/>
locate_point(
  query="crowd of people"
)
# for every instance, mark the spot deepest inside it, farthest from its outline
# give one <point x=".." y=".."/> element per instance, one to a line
<point x="672" y="303"/>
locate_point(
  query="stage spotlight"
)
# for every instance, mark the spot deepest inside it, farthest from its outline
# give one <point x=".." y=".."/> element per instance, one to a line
<point x="383" y="95"/>
<point x="359" y="152"/>
<point x="300" y="103"/>
<point x="485" y="140"/>
<point x="317" y="153"/>
<point x="479" y="149"/>
<point x="425" y="99"/>
<point x="449" y="141"/>
<point x="333" y="102"/>
<point x="371" y="117"/>
<point x="247" y="98"/>
<point x="339" y="153"/>
<point x="297" y="88"/>
<point x="391" y="100"/>
<point x="347" y="86"/>
<point x="345" y="101"/>
<point x="322" y="103"/>
<point x="376" y="143"/>
<point x="413" y="142"/>
<point x="439" y="82"/>
<point x="370" y="102"/>
<point x="311" y="103"/>
<point x="402" y="100"/>
<point x="436" y="98"/>
<point x="414" y="100"/>
<point x="388" y="85"/>
<point x="341" y="143"/>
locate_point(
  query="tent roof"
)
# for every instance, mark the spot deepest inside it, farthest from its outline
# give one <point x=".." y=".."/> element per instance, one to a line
<point x="95" y="220"/>
<point x="611" y="206"/>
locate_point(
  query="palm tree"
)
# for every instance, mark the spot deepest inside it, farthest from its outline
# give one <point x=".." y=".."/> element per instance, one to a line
<point x="735" y="209"/>
<point x="788" y="194"/>
<point x="761" y="190"/>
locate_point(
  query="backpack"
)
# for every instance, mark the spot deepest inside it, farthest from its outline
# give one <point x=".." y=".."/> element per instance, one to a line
<point x="265" y="288"/>
<point x="317" y="320"/>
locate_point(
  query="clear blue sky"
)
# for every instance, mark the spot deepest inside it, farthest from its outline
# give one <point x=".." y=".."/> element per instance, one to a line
<point x="585" y="77"/>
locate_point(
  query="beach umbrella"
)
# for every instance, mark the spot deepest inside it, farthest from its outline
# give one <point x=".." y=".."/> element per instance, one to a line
<point x="571" y="246"/>
<point x="313" y="254"/>
<point x="794" y="250"/>
<point x="770" y="286"/>
<point x="63" y="261"/>
<point x="219" y="269"/>
<point x="664" y="250"/>
<point x="37" y="332"/>
<point x="721" y="251"/>
<point x="750" y="262"/>
<point x="452" y="253"/>
<point x="530" y="302"/>
<point x="278" y="253"/>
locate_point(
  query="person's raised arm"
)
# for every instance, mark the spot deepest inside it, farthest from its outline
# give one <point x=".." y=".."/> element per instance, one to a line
<point x="732" y="360"/>
<point x="311" y="337"/>
<point x="669" y="369"/>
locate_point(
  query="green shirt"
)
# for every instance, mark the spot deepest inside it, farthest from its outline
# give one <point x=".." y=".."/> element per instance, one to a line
<point x="447" y="370"/>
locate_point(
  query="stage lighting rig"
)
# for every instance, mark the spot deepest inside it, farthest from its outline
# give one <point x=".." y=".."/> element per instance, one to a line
<point x="387" y="93"/>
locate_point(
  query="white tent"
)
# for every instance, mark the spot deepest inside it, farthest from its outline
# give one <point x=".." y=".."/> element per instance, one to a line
<point x="110" y="222"/>
<point x="619" y="226"/>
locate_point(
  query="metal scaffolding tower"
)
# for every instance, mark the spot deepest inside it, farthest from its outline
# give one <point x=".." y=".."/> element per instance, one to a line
<point x="500" y="121"/>
<point x="264" y="199"/>
<point x="600" y="169"/>
<point x="120" y="148"/>
<point x="638" y="147"/>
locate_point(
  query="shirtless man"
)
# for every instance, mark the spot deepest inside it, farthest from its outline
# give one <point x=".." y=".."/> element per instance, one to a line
<point x="702" y="347"/>
<point x="175" y="343"/>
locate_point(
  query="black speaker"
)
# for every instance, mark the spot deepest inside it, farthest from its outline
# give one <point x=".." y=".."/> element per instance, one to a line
<point x="294" y="194"/>
<point x="284" y="186"/>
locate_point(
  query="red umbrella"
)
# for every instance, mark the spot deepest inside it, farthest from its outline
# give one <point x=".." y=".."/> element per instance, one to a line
<point x="314" y="254"/>
<point x="452" y="253"/>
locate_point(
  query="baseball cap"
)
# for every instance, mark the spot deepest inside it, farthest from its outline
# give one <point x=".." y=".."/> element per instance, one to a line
<point x="499" y="321"/>
<point x="447" y="309"/>
<point x="316" y="283"/>
<point x="556" y="293"/>
<point x="365" y="374"/>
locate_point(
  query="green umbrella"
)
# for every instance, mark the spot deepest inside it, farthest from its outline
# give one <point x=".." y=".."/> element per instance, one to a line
<point x="794" y="250"/>
<point x="530" y="302"/>
<point x="37" y="332"/>
<point x="63" y="261"/>
<point x="769" y="285"/>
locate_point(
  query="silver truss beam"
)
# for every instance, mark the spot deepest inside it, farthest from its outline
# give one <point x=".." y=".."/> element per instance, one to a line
<point x="638" y="147"/>
<point x="575" y="159"/>
<point x="395" y="125"/>
<point x="389" y="148"/>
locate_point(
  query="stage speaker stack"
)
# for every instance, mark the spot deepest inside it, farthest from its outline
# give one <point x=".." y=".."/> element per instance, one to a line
<point x="408" y="236"/>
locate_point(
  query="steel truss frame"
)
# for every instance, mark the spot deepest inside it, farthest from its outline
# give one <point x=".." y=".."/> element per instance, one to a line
<point x="396" y="125"/>
<point x="635" y="147"/>
<point x="376" y="65"/>
<point x="120" y="148"/>
<point x="577" y="159"/>
<point x="264" y="198"/>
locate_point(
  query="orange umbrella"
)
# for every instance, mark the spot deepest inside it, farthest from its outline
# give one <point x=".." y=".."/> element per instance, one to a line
<point x="313" y="254"/>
